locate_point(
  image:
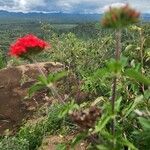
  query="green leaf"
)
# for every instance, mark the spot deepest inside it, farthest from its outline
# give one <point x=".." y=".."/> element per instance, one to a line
<point x="70" y="106"/>
<point x="61" y="147"/>
<point x="129" y="47"/>
<point x="114" y="66"/>
<point x="123" y="61"/>
<point x="132" y="106"/>
<point x="78" y="139"/>
<point x="59" y="75"/>
<point x="147" y="94"/>
<point x="145" y="123"/>
<point x="56" y="76"/>
<point x="131" y="73"/>
<point x="147" y="51"/>
<point x="100" y="73"/>
<point x="34" y="88"/>
<point x="102" y="147"/>
<point x="102" y="122"/>
<point x="42" y="79"/>
<point x="125" y="142"/>
<point x="117" y="104"/>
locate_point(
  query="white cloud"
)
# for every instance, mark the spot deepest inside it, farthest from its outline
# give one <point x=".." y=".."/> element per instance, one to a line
<point x="106" y="7"/>
<point x="70" y="6"/>
<point x="28" y="5"/>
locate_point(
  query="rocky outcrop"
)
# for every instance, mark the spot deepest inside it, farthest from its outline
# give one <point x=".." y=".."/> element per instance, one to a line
<point x="14" y="84"/>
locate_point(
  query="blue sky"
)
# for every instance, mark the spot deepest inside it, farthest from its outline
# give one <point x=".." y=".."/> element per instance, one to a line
<point x="69" y="6"/>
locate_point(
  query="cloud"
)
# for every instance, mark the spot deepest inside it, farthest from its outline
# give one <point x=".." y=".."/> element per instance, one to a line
<point x="69" y="6"/>
<point x="21" y="5"/>
<point x="28" y="5"/>
<point x="106" y="7"/>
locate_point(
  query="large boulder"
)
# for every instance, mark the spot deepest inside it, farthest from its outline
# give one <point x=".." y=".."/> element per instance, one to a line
<point x="14" y="85"/>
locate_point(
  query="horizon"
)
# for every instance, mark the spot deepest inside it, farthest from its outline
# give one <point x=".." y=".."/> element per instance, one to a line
<point x="60" y="12"/>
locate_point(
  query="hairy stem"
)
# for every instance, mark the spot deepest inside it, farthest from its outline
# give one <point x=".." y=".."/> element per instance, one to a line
<point x="114" y="84"/>
<point x="142" y="41"/>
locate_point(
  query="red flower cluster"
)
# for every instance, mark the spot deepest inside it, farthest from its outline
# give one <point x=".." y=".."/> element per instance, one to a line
<point x="120" y="17"/>
<point x="27" y="45"/>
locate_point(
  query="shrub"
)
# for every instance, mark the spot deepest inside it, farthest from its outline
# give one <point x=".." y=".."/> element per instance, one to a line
<point x="13" y="143"/>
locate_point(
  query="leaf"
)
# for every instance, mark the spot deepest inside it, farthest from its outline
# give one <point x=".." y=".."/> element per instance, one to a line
<point x="117" y="104"/>
<point x="147" y="94"/>
<point x="129" y="47"/>
<point x="61" y="147"/>
<point x="100" y="72"/>
<point x="114" y="66"/>
<point x="59" y="75"/>
<point x="70" y="106"/>
<point x="131" y="73"/>
<point x="102" y="147"/>
<point x="77" y="139"/>
<point x="56" y="76"/>
<point x="132" y="106"/>
<point x="145" y="123"/>
<point x="147" y="51"/>
<point x="125" y="142"/>
<point x="123" y="61"/>
<point x="102" y="123"/>
<point x="34" y="88"/>
<point x="42" y="79"/>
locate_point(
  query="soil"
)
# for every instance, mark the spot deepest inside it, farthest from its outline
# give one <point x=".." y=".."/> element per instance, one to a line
<point x="51" y="142"/>
<point x="14" y="85"/>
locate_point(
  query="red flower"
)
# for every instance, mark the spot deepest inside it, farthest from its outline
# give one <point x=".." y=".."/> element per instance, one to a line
<point x="27" y="45"/>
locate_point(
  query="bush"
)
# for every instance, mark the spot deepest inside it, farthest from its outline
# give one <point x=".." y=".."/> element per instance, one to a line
<point x="13" y="143"/>
<point x="34" y="134"/>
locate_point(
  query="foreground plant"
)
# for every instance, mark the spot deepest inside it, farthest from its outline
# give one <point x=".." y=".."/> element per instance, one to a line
<point x="117" y="114"/>
<point x="27" y="47"/>
<point x="118" y="18"/>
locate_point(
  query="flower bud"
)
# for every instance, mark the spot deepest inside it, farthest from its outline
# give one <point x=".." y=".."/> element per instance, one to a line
<point x="119" y="17"/>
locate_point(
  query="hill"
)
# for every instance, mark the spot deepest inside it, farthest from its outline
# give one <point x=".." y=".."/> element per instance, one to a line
<point x="52" y="17"/>
<point x="56" y="17"/>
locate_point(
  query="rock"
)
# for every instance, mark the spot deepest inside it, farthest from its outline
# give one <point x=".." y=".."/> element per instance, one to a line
<point x="14" y="84"/>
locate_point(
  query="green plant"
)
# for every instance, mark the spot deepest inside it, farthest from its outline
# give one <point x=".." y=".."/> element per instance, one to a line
<point x="51" y="124"/>
<point x="116" y="116"/>
<point x="2" y="61"/>
<point x="14" y="143"/>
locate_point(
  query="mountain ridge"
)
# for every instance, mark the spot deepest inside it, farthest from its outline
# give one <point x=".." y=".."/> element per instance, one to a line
<point x="57" y="17"/>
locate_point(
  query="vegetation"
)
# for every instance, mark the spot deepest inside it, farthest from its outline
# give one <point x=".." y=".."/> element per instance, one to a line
<point x="108" y="117"/>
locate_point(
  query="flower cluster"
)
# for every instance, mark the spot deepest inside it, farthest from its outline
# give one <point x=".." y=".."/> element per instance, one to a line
<point x="118" y="17"/>
<point x="27" y="45"/>
<point x="86" y="118"/>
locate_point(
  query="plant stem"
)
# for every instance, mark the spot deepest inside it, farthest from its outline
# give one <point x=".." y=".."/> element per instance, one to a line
<point x="142" y="41"/>
<point x="51" y="87"/>
<point x="114" y="86"/>
<point x="118" y="44"/>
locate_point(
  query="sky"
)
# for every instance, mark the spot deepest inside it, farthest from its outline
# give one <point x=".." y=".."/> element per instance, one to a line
<point x="69" y="6"/>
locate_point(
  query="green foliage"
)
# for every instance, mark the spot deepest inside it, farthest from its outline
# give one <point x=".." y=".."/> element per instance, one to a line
<point x="78" y="139"/>
<point x="137" y="76"/>
<point x="85" y="50"/>
<point x="68" y="107"/>
<point x="61" y="147"/>
<point x="2" y="61"/>
<point x="13" y="143"/>
<point x="43" y="81"/>
<point x="34" y="133"/>
<point x="142" y="136"/>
